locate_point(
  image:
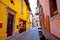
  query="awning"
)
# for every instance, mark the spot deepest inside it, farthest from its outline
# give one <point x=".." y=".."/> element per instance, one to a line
<point x="22" y="20"/>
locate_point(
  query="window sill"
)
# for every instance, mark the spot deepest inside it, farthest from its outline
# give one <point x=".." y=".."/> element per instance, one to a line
<point x="55" y="17"/>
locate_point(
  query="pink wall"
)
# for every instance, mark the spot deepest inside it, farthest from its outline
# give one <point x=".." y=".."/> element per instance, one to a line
<point x="58" y="5"/>
<point x="55" y="25"/>
<point x="54" y="21"/>
<point x="45" y="5"/>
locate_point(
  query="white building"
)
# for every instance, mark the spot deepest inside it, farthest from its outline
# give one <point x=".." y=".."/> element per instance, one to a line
<point x="36" y="21"/>
<point x="31" y="19"/>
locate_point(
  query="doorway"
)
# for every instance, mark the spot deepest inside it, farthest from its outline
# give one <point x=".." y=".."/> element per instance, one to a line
<point x="10" y="22"/>
<point x="10" y="25"/>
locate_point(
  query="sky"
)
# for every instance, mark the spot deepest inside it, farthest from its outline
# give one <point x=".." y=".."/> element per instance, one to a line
<point x="33" y="4"/>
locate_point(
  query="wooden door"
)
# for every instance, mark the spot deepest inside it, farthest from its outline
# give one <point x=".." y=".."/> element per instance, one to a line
<point x="47" y="23"/>
<point x="10" y="25"/>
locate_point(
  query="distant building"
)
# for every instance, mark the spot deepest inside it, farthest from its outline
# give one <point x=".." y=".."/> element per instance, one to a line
<point x="37" y="21"/>
<point x="31" y="19"/>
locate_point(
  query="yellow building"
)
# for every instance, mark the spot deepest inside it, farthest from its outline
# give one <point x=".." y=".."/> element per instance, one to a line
<point x="14" y="16"/>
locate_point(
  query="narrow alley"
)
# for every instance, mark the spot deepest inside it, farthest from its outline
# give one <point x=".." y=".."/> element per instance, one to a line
<point x="29" y="19"/>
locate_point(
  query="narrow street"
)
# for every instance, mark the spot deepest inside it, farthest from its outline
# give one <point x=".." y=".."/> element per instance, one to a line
<point x="29" y="19"/>
<point x="31" y="34"/>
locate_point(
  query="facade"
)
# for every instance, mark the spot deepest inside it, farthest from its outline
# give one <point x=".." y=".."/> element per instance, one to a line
<point x="14" y="16"/>
<point x="50" y="18"/>
<point x="31" y="19"/>
<point x="36" y="17"/>
<point x="37" y="21"/>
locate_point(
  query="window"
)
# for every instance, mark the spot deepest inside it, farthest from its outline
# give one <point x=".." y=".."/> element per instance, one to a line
<point x="53" y="8"/>
<point x="22" y="8"/>
<point x="12" y="2"/>
<point x="41" y="9"/>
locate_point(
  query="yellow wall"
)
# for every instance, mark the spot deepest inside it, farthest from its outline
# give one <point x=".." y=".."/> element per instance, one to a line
<point x="26" y="16"/>
<point x="28" y="20"/>
<point x="3" y="16"/>
<point x="3" y="19"/>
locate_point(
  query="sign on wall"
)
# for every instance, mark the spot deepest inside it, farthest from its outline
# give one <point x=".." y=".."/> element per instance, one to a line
<point x="0" y="24"/>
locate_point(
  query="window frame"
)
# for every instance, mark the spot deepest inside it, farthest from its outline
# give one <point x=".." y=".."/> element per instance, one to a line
<point x="55" y="12"/>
